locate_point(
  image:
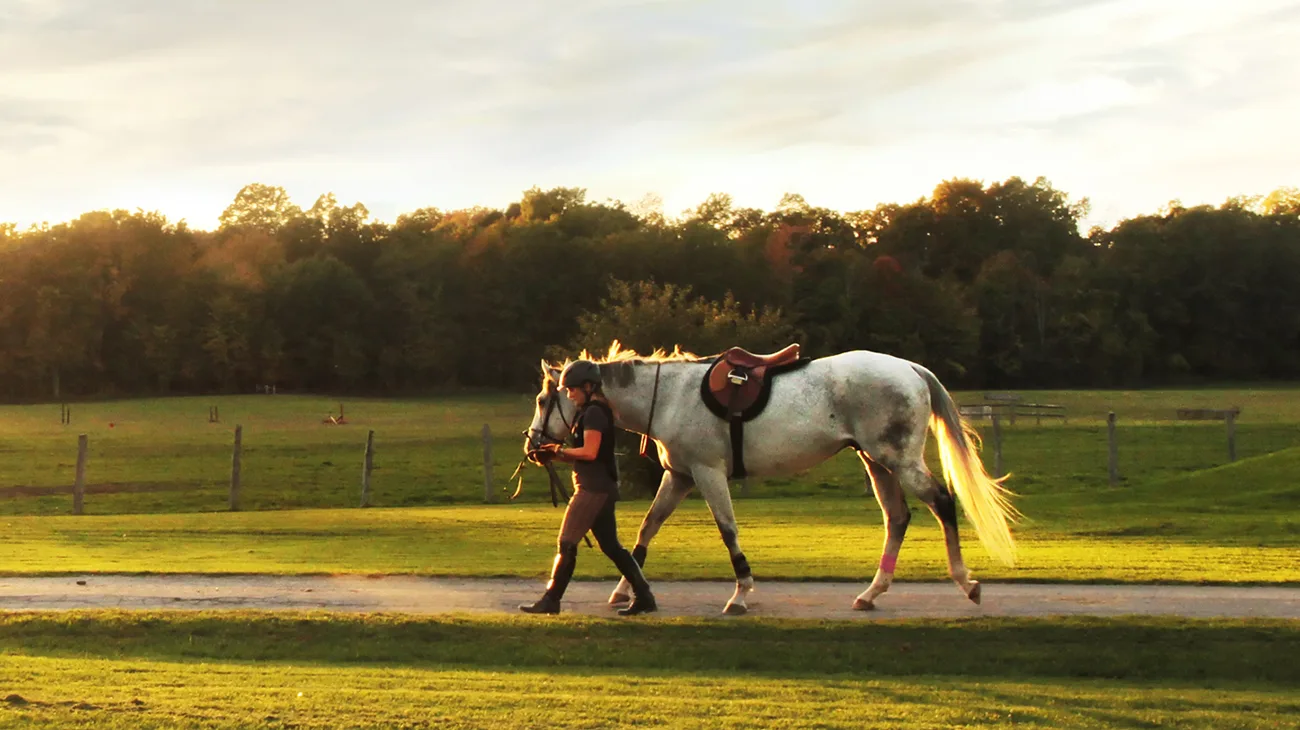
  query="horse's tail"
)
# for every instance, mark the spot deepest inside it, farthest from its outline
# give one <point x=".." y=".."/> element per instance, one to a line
<point x="986" y="502"/>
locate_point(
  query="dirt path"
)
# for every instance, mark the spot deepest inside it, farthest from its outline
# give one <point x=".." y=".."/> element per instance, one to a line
<point x="406" y="594"/>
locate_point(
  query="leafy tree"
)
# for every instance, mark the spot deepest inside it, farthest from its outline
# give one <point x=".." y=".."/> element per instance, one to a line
<point x="416" y="288"/>
<point x="989" y="284"/>
<point x="540" y="206"/>
<point x="1282" y="202"/>
<point x="901" y="312"/>
<point x="262" y="207"/>
<point x="323" y="311"/>
<point x="645" y="316"/>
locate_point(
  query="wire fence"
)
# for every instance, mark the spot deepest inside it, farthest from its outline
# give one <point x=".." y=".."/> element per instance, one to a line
<point x="1126" y="452"/>
<point x="232" y="469"/>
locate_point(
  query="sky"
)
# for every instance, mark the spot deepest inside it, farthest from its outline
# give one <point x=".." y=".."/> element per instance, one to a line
<point x="174" y="105"/>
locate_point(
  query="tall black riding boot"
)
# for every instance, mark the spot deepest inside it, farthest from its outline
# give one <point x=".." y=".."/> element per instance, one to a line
<point x="561" y="573"/>
<point x="643" y="601"/>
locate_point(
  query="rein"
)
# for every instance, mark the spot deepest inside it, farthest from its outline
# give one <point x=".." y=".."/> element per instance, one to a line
<point x="557" y="485"/>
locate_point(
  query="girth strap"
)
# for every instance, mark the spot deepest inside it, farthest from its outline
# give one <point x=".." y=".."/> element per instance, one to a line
<point x="737" y="447"/>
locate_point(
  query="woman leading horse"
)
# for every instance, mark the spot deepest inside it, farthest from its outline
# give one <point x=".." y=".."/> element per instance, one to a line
<point x="878" y="405"/>
<point x="595" y="489"/>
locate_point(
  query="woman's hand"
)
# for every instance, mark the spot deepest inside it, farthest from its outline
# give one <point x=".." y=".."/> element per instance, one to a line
<point x="544" y="453"/>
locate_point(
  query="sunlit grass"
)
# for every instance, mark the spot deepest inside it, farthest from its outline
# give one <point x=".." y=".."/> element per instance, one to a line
<point x="1094" y="539"/>
<point x="236" y="669"/>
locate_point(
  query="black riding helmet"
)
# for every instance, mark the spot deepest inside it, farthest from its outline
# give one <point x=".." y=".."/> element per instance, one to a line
<point x="579" y="372"/>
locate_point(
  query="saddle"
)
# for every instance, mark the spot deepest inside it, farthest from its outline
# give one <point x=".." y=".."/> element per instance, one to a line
<point x="737" y="386"/>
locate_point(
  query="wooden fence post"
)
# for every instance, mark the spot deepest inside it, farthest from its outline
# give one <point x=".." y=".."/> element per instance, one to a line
<point x="365" y="472"/>
<point x="487" y="464"/>
<point x="1232" y="436"/>
<point x="997" y="446"/>
<point x="79" y="485"/>
<point x="234" y="468"/>
<point x="1113" y="449"/>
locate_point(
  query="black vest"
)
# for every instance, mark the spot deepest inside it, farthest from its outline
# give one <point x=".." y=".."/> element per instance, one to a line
<point x="605" y="454"/>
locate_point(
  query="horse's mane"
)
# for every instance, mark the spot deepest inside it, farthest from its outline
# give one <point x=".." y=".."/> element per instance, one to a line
<point x="617" y="353"/>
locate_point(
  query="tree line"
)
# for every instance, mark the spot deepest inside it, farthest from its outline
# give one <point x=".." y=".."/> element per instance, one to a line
<point x="989" y="285"/>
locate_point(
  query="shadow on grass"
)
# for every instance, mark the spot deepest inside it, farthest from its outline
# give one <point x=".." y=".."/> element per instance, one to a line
<point x="1148" y="649"/>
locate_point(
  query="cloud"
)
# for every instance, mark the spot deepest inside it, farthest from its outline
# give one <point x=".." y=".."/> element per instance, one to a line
<point x="403" y="103"/>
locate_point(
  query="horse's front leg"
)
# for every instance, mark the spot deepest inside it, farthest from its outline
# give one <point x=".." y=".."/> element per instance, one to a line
<point x="673" y="488"/>
<point x="713" y="486"/>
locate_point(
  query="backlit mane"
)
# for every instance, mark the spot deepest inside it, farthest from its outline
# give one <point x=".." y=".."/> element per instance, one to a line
<point x="617" y="353"/>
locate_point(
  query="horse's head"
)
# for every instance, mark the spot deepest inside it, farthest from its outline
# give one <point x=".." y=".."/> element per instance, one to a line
<point x="553" y="413"/>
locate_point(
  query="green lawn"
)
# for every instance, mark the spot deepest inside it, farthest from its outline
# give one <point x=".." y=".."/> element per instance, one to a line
<point x="1206" y="527"/>
<point x="1185" y="517"/>
<point x="161" y="455"/>
<point x="240" y="669"/>
<point x="159" y="476"/>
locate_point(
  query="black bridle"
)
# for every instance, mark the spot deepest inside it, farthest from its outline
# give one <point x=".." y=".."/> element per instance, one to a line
<point x="538" y="437"/>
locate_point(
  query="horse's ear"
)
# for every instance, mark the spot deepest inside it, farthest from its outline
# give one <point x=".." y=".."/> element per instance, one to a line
<point x="550" y="372"/>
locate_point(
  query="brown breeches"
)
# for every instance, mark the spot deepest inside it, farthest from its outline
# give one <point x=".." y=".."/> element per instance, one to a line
<point x="583" y="513"/>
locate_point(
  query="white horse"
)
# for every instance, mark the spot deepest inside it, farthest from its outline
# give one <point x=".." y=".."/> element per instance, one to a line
<point x="876" y="404"/>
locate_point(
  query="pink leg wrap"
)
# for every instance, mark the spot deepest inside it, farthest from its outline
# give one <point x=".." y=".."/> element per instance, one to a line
<point x="887" y="563"/>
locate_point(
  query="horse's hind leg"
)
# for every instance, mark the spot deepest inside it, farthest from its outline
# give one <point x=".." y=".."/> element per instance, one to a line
<point x="673" y="488"/>
<point x="897" y="516"/>
<point x="713" y="486"/>
<point x="936" y="496"/>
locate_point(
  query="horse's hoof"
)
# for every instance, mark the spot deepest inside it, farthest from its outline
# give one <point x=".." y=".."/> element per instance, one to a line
<point x="617" y="598"/>
<point x="974" y="594"/>
<point x="861" y="605"/>
<point x="735" y="609"/>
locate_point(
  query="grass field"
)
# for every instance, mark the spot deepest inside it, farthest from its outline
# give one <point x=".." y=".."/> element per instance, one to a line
<point x="222" y="670"/>
<point x="162" y="455"/>
<point x="1235" y="523"/>
<point x="158" y="481"/>
<point x="1182" y="514"/>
